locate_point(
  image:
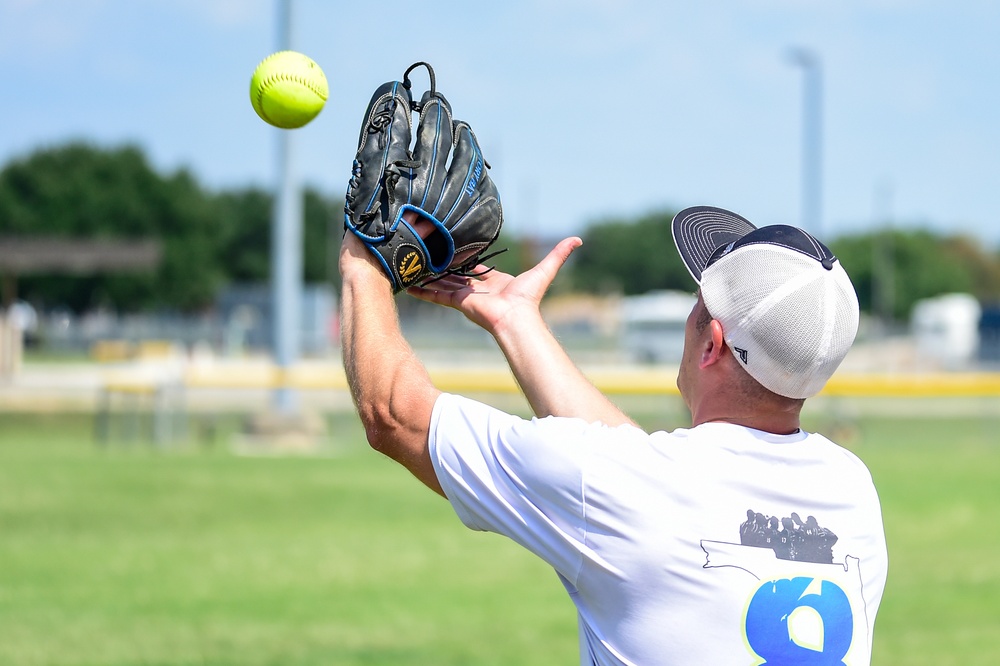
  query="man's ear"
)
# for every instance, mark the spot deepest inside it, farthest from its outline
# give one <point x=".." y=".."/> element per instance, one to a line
<point x="713" y="345"/>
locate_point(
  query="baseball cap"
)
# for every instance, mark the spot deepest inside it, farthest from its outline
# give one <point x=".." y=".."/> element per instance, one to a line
<point x="788" y="309"/>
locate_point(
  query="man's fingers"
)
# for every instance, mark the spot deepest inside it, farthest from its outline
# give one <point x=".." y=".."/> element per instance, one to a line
<point x="449" y="282"/>
<point x="436" y="296"/>
<point x="558" y="255"/>
<point x="451" y="290"/>
<point x="441" y="291"/>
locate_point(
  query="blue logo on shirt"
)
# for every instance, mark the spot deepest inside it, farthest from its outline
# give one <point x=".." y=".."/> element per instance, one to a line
<point x="800" y="621"/>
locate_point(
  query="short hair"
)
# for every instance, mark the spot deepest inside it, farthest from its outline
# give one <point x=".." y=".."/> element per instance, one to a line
<point x="704" y="318"/>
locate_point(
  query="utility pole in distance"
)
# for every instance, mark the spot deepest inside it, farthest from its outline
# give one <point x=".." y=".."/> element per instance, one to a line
<point x="286" y="247"/>
<point x="812" y="138"/>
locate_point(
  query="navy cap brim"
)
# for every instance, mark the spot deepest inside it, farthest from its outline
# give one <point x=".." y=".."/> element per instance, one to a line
<point x="700" y="230"/>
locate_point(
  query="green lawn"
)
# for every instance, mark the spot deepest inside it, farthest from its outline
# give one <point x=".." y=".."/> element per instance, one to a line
<point x="128" y="555"/>
<point x="939" y="482"/>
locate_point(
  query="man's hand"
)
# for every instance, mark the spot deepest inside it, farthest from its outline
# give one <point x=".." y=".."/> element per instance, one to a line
<point x="495" y="299"/>
<point x="508" y="307"/>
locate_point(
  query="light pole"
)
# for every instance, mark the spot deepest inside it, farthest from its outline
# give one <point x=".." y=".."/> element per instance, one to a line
<point x="883" y="269"/>
<point x="286" y="248"/>
<point x="812" y="135"/>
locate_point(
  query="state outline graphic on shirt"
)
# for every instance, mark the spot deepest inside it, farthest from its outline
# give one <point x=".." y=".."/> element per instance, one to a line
<point x="802" y="606"/>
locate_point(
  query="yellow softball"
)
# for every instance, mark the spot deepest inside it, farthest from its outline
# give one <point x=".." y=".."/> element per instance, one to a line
<point x="288" y="89"/>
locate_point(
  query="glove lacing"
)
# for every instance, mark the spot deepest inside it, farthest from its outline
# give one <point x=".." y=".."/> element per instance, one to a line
<point x="467" y="269"/>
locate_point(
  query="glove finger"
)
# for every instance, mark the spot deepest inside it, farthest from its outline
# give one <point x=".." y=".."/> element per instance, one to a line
<point x="474" y="214"/>
<point x="467" y="177"/>
<point x="433" y="147"/>
<point x="384" y="139"/>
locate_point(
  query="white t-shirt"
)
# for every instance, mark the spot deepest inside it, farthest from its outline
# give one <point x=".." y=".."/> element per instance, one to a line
<point x="712" y="545"/>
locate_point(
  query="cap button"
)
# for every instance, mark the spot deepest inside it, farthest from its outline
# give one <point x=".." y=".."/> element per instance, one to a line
<point x="828" y="262"/>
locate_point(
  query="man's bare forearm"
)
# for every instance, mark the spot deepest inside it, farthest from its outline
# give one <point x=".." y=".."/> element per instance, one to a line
<point x="389" y="385"/>
<point x="551" y="382"/>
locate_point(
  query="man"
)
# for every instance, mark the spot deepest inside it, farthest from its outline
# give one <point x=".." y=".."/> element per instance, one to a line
<point x="644" y="529"/>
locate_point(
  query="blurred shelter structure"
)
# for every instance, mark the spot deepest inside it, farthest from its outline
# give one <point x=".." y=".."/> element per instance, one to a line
<point x="66" y="256"/>
<point x="989" y="335"/>
<point x="653" y="325"/>
<point x="248" y="311"/>
<point x="11" y="347"/>
<point x="946" y="329"/>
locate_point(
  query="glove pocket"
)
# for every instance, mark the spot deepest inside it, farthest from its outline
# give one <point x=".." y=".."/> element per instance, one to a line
<point x="433" y="237"/>
<point x="417" y="247"/>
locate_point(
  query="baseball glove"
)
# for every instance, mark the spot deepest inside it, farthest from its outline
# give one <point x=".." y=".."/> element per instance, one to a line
<point x="443" y="179"/>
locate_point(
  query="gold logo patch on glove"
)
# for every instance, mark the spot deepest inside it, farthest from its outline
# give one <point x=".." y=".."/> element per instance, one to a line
<point x="410" y="267"/>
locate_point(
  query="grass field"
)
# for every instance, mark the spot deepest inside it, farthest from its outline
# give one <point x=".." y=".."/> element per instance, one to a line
<point x="130" y="555"/>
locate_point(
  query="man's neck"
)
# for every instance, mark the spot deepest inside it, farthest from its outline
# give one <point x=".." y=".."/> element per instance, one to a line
<point x="777" y="421"/>
<point x="775" y="427"/>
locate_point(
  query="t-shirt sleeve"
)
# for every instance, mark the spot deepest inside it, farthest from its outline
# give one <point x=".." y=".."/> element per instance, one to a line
<point x="516" y="477"/>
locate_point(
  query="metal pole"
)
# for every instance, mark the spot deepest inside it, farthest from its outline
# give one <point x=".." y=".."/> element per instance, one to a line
<point x="812" y="131"/>
<point x="883" y="268"/>
<point x="286" y="246"/>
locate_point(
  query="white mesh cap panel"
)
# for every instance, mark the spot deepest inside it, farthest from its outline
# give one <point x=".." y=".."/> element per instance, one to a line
<point x="793" y="319"/>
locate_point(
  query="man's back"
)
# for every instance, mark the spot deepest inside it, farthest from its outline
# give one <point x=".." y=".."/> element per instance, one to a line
<point x="667" y="512"/>
<point x="650" y="535"/>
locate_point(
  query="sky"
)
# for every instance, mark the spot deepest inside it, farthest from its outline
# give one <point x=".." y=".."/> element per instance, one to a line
<point x="587" y="110"/>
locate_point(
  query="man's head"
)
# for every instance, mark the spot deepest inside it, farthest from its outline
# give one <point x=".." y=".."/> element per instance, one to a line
<point x="787" y="310"/>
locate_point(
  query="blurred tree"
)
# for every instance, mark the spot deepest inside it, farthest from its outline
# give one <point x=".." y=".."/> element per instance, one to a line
<point x="245" y="217"/>
<point x="323" y="227"/>
<point x="912" y="264"/>
<point x="246" y="237"/>
<point x="918" y="264"/>
<point x="984" y="267"/>
<point x="81" y="191"/>
<point x="631" y="257"/>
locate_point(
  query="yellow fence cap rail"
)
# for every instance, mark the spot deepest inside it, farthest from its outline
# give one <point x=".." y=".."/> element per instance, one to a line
<point x="627" y="381"/>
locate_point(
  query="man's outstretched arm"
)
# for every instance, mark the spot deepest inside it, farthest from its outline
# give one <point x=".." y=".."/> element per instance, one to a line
<point x="390" y="387"/>
<point x="508" y="308"/>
